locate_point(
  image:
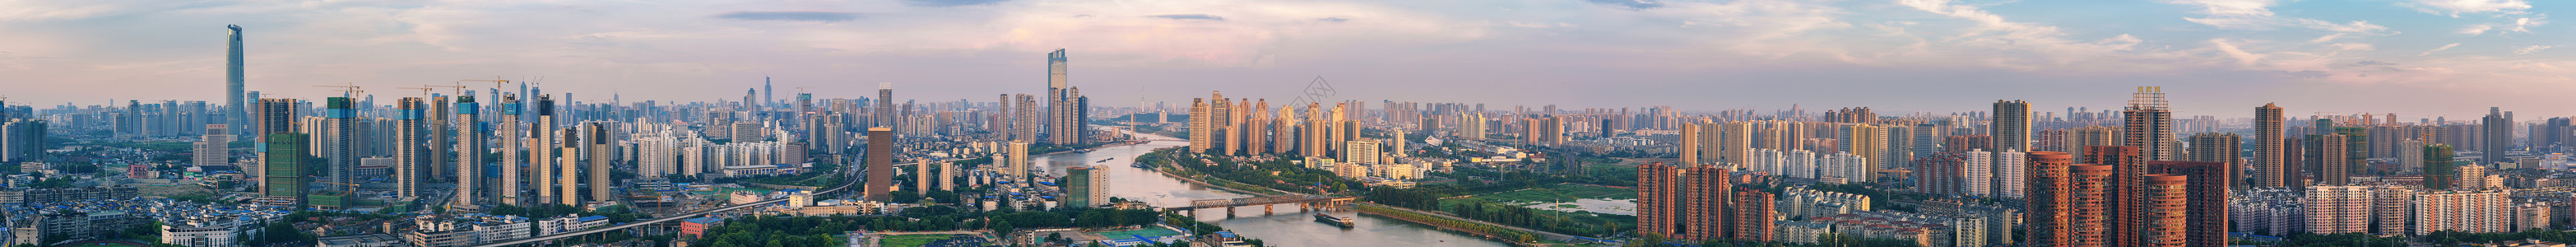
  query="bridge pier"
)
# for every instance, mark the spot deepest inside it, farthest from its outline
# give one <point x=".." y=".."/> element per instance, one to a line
<point x="1229" y="211"/>
<point x="1265" y="209"/>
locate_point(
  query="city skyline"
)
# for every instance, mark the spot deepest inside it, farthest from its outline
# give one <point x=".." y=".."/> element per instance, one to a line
<point x="2216" y="58"/>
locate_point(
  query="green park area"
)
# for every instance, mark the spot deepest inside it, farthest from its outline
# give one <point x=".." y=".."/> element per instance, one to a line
<point x="912" y="240"/>
<point x="1564" y="192"/>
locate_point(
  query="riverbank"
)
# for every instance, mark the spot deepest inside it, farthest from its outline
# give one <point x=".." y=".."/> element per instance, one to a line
<point x="1479" y="228"/>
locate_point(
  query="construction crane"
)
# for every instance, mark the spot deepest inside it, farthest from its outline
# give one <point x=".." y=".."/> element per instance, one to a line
<point x="460" y="87"/>
<point x="424" y="92"/>
<point x="348" y="91"/>
<point x="496" y="82"/>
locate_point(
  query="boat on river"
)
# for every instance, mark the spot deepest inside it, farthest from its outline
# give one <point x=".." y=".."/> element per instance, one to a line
<point x="1335" y="221"/>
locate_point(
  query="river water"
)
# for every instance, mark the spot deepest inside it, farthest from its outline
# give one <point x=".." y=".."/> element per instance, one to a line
<point x="1287" y="227"/>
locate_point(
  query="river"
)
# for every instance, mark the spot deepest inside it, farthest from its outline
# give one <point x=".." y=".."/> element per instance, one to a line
<point x="1286" y="228"/>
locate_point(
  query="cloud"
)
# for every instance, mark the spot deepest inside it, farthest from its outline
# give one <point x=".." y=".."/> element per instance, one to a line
<point x="2242" y="58"/>
<point x="1630" y="4"/>
<point x="1333" y="19"/>
<point x="2444" y="47"/>
<point x="2476" y="29"/>
<point x="814" y="16"/>
<point x="2258" y="15"/>
<point x="950" y="3"/>
<point x="2454" y="8"/>
<point x="2328" y="37"/>
<point x="2520" y="25"/>
<point x="1190" y="17"/>
<point x="2528" y="50"/>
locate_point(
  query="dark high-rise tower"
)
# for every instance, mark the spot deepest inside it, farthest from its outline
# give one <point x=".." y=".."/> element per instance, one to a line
<point x="884" y="115"/>
<point x="880" y="165"/>
<point x="233" y="113"/>
<point x="768" y="93"/>
<point x="2497" y="136"/>
<point x="2268" y="150"/>
<point x="2011" y="126"/>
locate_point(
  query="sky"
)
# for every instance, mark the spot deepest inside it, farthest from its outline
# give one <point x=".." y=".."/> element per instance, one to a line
<point x="2415" y="58"/>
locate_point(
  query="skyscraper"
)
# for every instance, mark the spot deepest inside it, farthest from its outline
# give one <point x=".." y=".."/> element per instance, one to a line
<point x="411" y="153"/>
<point x="471" y="139"/>
<point x="2269" y="168"/>
<point x="542" y="149"/>
<point x="2216" y="148"/>
<point x="880" y="161"/>
<point x="2440" y="172"/>
<point x="513" y="165"/>
<point x="567" y="166"/>
<point x="1017" y="167"/>
<point x="600" y="154"/>
<point x="1200" y="141"/>
<point x="2149" y="124"/>
<point x="884" y="115"/>
<point x="1688" y="146"/>
<point x="340" y="144"/>
<point x="2332" y="161"/>
<point x="2205" y="201"/>
<point x="2011" y="128"/>
<point x="2496" y="137"/>
<point x="1065" y="111"/>
<point x="283" y="168"/>
<point x="233" y="113"/>
<point x="2120" y="200"/>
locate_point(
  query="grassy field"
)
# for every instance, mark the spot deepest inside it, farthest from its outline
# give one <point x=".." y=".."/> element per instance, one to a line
<point x="910" y="240"/>
<point x="1560" y="192"/>
<point x="182" y="192"/>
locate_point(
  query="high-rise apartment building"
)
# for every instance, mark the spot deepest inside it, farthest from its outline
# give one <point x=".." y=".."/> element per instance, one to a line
<point x="2011" y="127"/>
<point x="2462" y="211"/>
<point x="2440" y="171"/>
<point x="2052" y="200"/>
<point x="2164" y="201"/>
<point x="2216" y="148"/>
<point x="2269" y="162"/>
<point x="1699" y="204"/>
<point x="884" y="114"/>
<point x="2206" y="202"/>
<point x="2149" y="124"/>
<point x="1361" y="152"/>
<point x="1085" y="187"/>
<point x="1200" y="141"/>
<point x="284" y="169"/>
<point x="567" y="167"/>
<point x="2496" y="137"/>
<point x="2332" y="158"/>
<point x="212" y="149"/>
<point x="2011" y="173"/>
<point x="2335" y="209"/>
<point x="880" y="162"/>
<point x="600" y="154"/>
